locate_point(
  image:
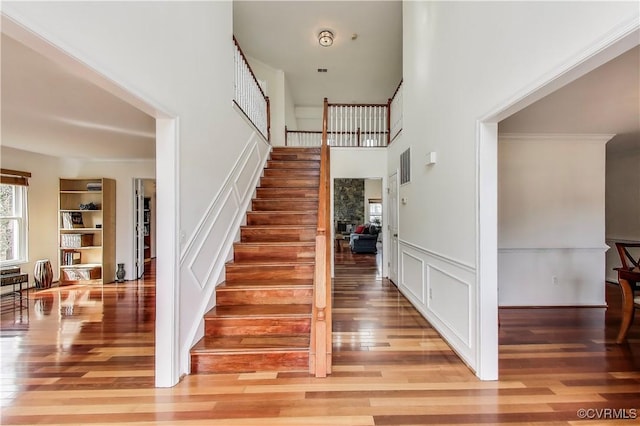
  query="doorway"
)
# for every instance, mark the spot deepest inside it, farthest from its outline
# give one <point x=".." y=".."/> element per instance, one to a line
<point x="144" y="224"/>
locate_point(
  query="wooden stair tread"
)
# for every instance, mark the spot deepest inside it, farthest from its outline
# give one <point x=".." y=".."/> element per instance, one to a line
<point x="263" y="316"/>
<point x="280" y="227"/>
<point x="249" y="344"/>
<point x="279" y="200"/>
<point x="270" y="284"/>
<point x="271" y="212"/>
<point x="259" y="263"/>
<point x="259" y="311"/>
<point x="276" y="244"/>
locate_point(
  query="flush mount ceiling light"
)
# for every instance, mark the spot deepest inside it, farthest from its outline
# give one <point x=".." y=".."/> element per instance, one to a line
<point x="325" y="38"/>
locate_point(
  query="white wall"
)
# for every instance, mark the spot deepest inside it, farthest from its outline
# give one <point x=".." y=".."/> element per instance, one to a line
<point x="277" y="100"/>
<point x="622" y="203"/>
<point x="309" y="117"/>
<point x="551" y="224"/>
<point x="180" y="64"/>
<point x="363" y="163"/>
<point x="461" y="61"/>
<point x="289" y="107"/>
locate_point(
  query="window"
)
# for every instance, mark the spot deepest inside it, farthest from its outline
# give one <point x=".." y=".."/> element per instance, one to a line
<point x="375" y="211"/>
<point x="13" y="219"/>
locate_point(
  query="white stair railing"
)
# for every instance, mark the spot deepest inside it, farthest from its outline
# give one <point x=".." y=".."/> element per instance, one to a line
<point x="248" y="94"/>
<point x="305" y="138"/>
<point x="358" y="125"/>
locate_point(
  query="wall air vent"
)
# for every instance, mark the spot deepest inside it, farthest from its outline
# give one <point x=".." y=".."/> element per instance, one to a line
<point x="405" y="167"/>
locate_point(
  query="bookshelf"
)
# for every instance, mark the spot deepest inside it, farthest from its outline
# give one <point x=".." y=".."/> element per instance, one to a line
<point x="87" y="242"/>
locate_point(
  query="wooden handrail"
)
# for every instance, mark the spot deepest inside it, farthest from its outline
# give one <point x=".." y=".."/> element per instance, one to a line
<point x="320" y="354"/>
<point x="397" y="88"/>
<point x="244" y="58"/>
<point x="305" y="131"/>
<point x="357" y="105"/>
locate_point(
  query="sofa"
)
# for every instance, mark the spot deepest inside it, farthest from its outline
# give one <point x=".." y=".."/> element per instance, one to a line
<point x="365" y="240"/>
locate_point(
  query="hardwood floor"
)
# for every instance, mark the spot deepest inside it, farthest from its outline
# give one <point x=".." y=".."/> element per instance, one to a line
<point x="86" y="358"/>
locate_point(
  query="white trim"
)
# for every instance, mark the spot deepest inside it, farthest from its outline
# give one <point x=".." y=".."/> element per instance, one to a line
<point x="582" y="137"/>
<point x="167" y="349"/>
<point x="621" y="240"/>
<point x="620" y="39"/>
<point x="468" y="340"/>
<point x="455" y="262"/>
<point x="167" y="159"/>
<point x="423" y="296"/>
<point x="519" y="249"/>
<point x="486" y="332"/>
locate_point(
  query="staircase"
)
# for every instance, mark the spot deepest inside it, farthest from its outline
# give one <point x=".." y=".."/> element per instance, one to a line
<point x="262" y="318"/>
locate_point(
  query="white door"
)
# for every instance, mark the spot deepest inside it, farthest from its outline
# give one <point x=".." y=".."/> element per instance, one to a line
<point x="138" y="228"/>
<point x="393" y="228"/>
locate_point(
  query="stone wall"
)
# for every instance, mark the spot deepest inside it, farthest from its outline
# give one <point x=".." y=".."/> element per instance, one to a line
<point x="348" y="201"/>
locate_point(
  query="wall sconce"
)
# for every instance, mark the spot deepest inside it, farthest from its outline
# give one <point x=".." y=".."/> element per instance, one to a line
<point x="325" y="38"/>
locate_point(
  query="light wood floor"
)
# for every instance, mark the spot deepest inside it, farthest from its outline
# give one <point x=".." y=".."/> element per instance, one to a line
<point x="85" y="357"/>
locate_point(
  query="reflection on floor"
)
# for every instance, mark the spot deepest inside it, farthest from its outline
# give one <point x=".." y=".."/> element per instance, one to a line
<point x="87" y="357"/>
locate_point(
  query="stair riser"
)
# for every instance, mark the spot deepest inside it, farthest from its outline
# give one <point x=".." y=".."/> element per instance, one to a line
<point x="267" y="182"/>
<point x="242" y="252"/>
<point x="251" y="235"/>
<point x="280" y="205"/>
<point x="237" y="363"/>
<point x="291" y="173"/>
<point x="271" y="164"/>
<point x="264" y="272"/>
<point x="311" y="149"/>
<point x="286" y="193"/>
<point x="256" y="326"/>
<point x="300" y="156"/>
<point x="282" y="219"/>
<point x="264" y="296"/>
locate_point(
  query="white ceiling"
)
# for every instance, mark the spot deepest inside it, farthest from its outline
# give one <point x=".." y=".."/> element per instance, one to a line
<point x="284" y="35"/>
<point x="604" y="101"/>
<point x="50" y="110"/>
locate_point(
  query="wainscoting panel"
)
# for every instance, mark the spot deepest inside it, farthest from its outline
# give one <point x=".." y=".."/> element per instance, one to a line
<point x="443" y="290"/>
<point x="551" y="276"/>
<point x="413" y="275"/>
<point x="201" y="265"/>
<point x="447" y="290"/>
<point x="203" y="259"/>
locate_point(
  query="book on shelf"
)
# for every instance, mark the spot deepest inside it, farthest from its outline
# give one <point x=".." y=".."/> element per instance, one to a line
<point x="67" y="223"/>
<point x="70" y="257"/>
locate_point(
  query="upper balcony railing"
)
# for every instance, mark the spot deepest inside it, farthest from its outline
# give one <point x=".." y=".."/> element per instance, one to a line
<point x="355" y="125"/>
<point x="248" y="94"/>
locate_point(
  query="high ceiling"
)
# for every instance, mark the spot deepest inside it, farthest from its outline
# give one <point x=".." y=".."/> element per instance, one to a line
<point x="604" y="101"/>
<point x="51" y="110"/>
<point x="364" y="64"/>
